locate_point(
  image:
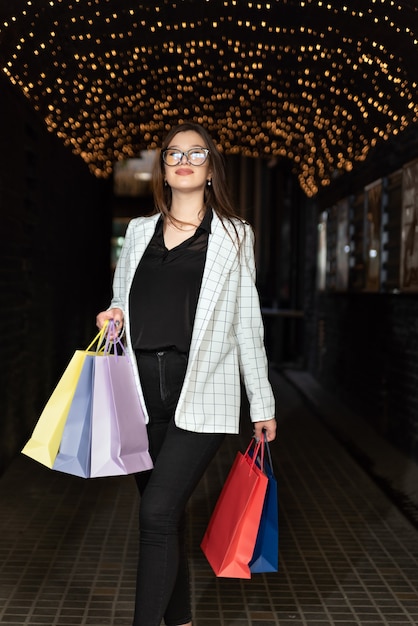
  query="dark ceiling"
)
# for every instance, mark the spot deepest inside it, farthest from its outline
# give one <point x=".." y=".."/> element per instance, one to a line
<point x="317" y="82"/>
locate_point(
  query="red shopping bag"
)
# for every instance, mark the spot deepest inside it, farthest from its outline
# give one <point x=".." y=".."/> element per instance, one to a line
<point x="230" y="537"/>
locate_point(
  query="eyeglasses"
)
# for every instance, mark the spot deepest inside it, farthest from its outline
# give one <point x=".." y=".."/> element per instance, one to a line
<point x="194" y="156"/>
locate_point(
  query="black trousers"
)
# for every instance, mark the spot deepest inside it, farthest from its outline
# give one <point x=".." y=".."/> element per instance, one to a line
<point x="180" y="459"/>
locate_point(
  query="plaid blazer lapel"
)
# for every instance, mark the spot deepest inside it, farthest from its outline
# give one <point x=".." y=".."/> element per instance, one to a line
<point x="221" y="254"/>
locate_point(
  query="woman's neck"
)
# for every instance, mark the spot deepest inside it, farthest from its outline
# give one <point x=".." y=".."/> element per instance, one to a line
<point x="188" y="209"/>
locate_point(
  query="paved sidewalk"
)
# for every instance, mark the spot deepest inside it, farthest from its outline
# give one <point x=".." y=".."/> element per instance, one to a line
<point x="347" y="554"/>
<point x="394" y="473"/>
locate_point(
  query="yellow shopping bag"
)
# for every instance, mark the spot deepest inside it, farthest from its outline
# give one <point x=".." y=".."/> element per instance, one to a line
<point x="46" y="437"/>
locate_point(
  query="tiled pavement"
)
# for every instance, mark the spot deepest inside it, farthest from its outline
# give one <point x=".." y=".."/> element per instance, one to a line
<point x="348" y="555"/>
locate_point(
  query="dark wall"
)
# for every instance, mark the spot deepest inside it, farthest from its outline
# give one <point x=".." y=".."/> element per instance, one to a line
<point x="54" y="272"/>
<point x="363" y="347"/>
<point x="367" y="354"/>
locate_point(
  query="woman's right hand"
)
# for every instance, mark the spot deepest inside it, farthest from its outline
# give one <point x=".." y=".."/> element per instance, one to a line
<point x="111" y="314"/>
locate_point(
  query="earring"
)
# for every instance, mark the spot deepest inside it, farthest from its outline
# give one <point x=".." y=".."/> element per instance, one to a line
<point x="209" y="182"/>
<point x="165" y="183"/>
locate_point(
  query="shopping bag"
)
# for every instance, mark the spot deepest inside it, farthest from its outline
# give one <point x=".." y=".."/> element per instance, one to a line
<point x="93" y="424"/>
<point x="74" y="451"/>
<point x="266" y="552"/>
<point x="230" y="537"/>
<point x="44" y="443"/>
<point x="119" y="439"/>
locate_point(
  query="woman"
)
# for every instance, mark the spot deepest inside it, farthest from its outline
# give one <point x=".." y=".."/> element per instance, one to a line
<point x="184" y="292"/>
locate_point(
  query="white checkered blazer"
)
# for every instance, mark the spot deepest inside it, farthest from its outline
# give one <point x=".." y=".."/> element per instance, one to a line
<point x="228" y="334"/>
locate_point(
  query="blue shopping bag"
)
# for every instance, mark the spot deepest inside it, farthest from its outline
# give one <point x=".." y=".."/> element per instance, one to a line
<point x="266" y="552"/>
<point x="75" y="447"/>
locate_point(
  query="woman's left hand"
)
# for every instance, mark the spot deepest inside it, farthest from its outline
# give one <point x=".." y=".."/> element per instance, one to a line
<point x="268" y="427"/>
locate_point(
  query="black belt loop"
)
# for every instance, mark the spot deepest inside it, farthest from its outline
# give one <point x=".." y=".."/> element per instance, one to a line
<point x="161" y="351"/>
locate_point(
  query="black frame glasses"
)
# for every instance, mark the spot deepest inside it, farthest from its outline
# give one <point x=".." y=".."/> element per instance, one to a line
<point x="174" y="156"/>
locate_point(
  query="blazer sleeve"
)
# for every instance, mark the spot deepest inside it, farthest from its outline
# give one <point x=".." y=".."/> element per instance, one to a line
<point x="120" y="278"/>
<point x="249" y="333"/>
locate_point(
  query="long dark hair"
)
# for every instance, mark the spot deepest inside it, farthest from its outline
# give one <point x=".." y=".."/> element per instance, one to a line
<point x="216" y="195"/>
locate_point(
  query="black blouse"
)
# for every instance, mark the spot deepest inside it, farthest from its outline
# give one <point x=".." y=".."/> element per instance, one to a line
<point x="165" y="290"/>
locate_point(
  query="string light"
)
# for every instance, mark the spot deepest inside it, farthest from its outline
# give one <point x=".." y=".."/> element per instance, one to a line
<point x="313" y="81"/>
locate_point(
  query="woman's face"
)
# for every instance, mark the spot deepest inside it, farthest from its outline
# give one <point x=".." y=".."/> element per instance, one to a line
<point x="185" y="176"/>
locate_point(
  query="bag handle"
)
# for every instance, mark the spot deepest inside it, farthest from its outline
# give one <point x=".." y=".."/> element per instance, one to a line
<point x="258" y="452"/>
<point x="103" y="339"/>
<point x="270" y="461"/>
<point x="116" y="340"/>
<point x="98" y="338"/>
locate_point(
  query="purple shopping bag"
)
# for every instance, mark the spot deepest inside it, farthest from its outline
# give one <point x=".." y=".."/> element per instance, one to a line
<point x="119" y="439"/>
